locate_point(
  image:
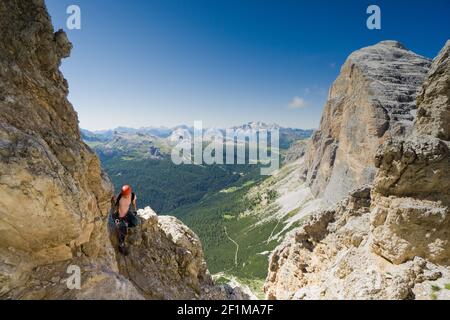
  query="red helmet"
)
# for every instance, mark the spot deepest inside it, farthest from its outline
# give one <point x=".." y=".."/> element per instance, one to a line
<point x="126" y="190"/>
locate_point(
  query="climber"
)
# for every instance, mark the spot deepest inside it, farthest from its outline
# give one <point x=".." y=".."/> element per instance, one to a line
<point x="123" y="215"/>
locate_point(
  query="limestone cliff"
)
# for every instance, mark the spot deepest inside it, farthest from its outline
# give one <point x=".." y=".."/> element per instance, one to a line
<point x="410" y="214"/>
<point x="433" y="117"/>
<point x="54" y="194"/>
<point x="372" y="99"/>
<point x="389" y="241"/>
<point x="55" y="197"/>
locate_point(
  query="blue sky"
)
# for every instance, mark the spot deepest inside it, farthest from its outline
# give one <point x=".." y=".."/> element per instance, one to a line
<point x="225" y="62"/>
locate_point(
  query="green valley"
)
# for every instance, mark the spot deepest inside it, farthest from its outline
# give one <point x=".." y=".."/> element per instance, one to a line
<point x="239" y="215"/>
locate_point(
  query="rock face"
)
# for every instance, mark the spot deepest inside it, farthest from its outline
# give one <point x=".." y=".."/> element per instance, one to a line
<point x="372" y="99"/>
<point x="54" y="194"/>
<point x="433" y="117"/>
<point x="389" y="241"/>
<point x="411" y="196"/>
<point x="55" y="197"/>
<point x="165" y="261"/>
<point x="296" y="151"/>
<point x="331" y="257"/>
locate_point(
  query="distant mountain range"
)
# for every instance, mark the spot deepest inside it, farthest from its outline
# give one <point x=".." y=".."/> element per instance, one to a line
<point x="165" y="132"/>
<point x="156" y="142"/>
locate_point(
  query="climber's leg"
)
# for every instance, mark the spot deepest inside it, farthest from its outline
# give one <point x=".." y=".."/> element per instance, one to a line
<point x="122" y="233"/>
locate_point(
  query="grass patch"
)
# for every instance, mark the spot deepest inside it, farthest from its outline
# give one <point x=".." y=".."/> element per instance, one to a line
<point x="292" y="213"/>
<point x="435" y="288"/>
<point x="229" y="190"/>
<point x="256" y="286"/>
<point x="248" y="183"/>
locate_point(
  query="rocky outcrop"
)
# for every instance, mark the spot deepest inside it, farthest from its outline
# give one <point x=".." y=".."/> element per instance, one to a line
<point x="331" y="257"/>
<point x="411" y="200"/>
<point x="55" y="197"/>
<point x="433" y="117"/>
<point x="372" y="99"/>
<point x="411" y="215"/>
<point x="165" y="261"/>
<point x="391" y="241"/>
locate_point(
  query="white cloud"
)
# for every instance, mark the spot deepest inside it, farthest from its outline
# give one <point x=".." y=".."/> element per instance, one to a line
<point x="297" y="103"/>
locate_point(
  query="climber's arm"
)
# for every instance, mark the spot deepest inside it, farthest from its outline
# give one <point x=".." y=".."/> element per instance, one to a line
<point x="133" y="202"/>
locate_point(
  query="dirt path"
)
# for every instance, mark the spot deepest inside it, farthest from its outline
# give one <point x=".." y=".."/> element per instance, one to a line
<point x="237" y="247"/>
<point x="271" y="234"/>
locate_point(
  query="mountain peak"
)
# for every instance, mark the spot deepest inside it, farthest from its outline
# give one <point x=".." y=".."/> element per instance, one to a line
<point x="373" y="98"/>
<point x="393" y="44"/>
<point x="388" y="51"/>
